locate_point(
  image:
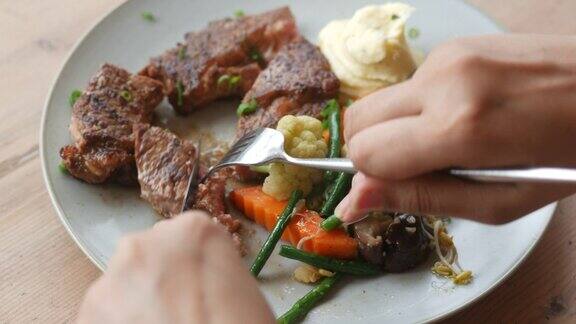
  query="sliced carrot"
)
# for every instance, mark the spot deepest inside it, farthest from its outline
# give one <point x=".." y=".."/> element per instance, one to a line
<point x="326" y="135"/>
<point x="303" y="225"/>
<point x="326" y="243"/>
<point x="265" y="210"/>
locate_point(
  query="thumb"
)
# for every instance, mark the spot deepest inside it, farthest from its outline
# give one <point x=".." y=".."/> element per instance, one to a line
<point x="445" y="195"/>
<point x="347" y="211"/>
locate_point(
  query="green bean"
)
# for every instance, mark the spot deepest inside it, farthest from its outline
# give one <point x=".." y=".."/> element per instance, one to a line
<point x="332" y="113"/>
<point x="275" y="234"/>
<point x="303" y="306"/>
<point x="334" y="127"/>
<point x="341" y="188"/>
<point x="357" y="268"/>
<point x="331" y="223"/>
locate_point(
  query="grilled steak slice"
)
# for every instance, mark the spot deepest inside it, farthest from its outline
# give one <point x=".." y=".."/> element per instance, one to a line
<point x="232" y="47"/>
<point x="297" y="81"/>
<point x="102" y="121"/>
<point x="164" y="166"/>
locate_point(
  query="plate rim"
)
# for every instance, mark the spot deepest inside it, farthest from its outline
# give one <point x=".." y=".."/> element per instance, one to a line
<point x="96" y="260"/>
<point x="42" y="146"/>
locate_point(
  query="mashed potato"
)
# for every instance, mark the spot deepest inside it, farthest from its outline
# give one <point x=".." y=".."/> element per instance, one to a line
<point x="369" y="51"/>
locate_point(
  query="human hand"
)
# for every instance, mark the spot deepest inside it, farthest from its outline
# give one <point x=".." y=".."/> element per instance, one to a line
<point x="479" y="102"/>
<point x="184" y="270"/>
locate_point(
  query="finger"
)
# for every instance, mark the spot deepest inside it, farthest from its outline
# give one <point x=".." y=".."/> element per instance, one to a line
<point x="398" y="149"/>
<point x="343" y="211"/>
<point x="188" y="229"/>
<point x="389" y="103"/>
<point x="188" y="216"/>
<point x="439" y="194"/>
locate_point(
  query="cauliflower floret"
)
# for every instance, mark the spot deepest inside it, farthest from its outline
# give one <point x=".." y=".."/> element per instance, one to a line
<point x="302" y="136"/>
<point x="283" y="179"/>
<point x="302" y="139"/>
<point x="306" y="274"/>
<point x="309" y="274"/>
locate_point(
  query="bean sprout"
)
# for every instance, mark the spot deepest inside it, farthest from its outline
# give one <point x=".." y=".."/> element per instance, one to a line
<point x="305" y="239"/>
<point x="448" y="266"/>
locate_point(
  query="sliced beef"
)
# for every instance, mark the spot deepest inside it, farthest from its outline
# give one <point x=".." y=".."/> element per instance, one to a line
<point x="164" y="164"/>
<point x="237" y="47"/>
<point x="210" y="197"/>
<point x="102" y="121"/>
<point x="297" y="81"/>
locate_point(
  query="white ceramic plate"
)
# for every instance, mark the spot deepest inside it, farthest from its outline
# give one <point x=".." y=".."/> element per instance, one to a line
<point x="96" y="216"/>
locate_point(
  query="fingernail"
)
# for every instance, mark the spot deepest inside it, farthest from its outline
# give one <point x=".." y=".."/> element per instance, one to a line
<point x="340" y="210"/>
<point x="357" y="208"/>
<point x="358" y="178"/>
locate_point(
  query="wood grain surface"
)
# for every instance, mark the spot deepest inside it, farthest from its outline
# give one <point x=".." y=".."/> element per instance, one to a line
<point x="43" y="274"/>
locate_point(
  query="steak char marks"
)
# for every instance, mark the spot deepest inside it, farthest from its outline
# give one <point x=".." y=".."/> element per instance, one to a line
<point x="231" y="51"/>
<point x="164" y="164"/>
<point x="102" y="121"/>
<point x="298" y="81"/>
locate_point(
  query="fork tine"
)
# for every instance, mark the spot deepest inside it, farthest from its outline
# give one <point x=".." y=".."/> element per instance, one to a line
<point x="193" y="180"/>
<point x="229" y="157"/>
<point x="248" y="136"/>
<point x="239" y="147"/>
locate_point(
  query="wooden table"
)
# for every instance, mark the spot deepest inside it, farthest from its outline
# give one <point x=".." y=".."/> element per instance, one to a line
<point x="43" y="274"/>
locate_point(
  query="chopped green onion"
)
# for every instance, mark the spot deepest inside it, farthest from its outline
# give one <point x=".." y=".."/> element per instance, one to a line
<point x="246" y="108"/>
<point x="413" y="33"/>
<point x="394" y="17"/>
<point x="62" y="167"/>
<point x="74" y="95"/>
<point x="182" y="52"/>
<point x="179" y="93"/>
<point x="331" y="223"/>
<point x="127" y="95"/>
<point x="239" y="13"/>
<point x="234" y="81"/>
<point x="148" y="16"/>
<point x="256" y="56"/>
<point x="225" y="78"/>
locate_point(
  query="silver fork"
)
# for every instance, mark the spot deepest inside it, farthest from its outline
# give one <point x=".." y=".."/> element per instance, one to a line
<point x="266" y="145"/>
<point x="193" y="179"/>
